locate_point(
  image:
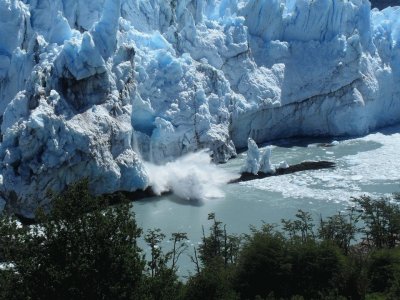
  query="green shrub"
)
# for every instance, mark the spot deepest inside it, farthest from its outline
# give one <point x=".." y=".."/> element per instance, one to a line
<point x="264" y="265"/>
<point x="384" y="272"/>
<point x="212" y="283"/>
<point x="317" y="270"/>
<point x="82" y="249"/>
<point x="382" y="221"/>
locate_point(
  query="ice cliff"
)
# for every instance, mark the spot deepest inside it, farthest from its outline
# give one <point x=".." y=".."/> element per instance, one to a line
<point x="93" y="88"/>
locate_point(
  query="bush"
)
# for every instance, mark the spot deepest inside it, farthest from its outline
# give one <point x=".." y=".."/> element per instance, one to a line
<point x="82" y="249"/>
<point x="215" y="264"/>
<point x="317" y="270"/>
<point x="212" y="283"/>
<point x="264" y="265"/>
<point x="86" y="249"/>
<point x="382" y="221"/>
<point x="384" y="272"/>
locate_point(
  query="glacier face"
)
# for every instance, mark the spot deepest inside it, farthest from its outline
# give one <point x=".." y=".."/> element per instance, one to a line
<point x="92" y="88"/>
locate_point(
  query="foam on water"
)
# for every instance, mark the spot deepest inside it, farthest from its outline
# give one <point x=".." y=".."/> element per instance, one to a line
<point x="191" y="177"/>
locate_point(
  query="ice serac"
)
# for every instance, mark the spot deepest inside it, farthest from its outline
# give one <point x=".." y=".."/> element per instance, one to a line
<point x="73" y="119"/>
<point x="265" y="163"/>
<point x="257" y="161"/>
<point x="253" y="158"/>
<point x="95" y="88"/>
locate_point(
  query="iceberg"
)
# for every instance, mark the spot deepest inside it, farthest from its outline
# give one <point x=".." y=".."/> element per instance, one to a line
<point x="99" y="88"/>
<point x="260" y="162"/>
<point x="265" y="163"/>
<point x="253" y="158"/>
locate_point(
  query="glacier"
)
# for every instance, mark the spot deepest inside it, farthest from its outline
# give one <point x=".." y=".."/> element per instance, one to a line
<point x="98" y="88"/>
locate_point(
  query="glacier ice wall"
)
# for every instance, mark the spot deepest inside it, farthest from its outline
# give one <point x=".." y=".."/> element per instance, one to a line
<point x="92" y="88"/>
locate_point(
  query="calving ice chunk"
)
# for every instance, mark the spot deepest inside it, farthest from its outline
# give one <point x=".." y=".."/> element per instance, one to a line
<point x="191" y="177"/>
<point x="99" y="88"/>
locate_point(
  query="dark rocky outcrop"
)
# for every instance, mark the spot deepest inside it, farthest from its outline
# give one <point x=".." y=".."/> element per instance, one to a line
<point x="303" y="166"/>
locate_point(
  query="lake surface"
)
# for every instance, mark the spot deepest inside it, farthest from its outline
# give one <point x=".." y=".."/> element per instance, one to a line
<point x="367" y="165"/>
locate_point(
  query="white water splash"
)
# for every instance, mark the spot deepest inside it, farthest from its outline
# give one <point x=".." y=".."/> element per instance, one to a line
<point x="191" y="177"/>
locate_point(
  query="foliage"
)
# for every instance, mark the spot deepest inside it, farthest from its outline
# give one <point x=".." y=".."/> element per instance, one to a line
<point x="212" y="283"/>
<point x="271" y="263"/>
<point x="340" y="229"/>
<point x="301" y="228"/>
<point x="330" y="261"/>
<point x="219" y="247"/>
<point x="85" y="249"/>
<point x="264" y="265"/>
<point x="384" y="272"/>
<point x="217" y="256"/>
<point x="162" y="282"/>
<point x="318" y="270"/>
<point x="382" y="222"/>
<point x="80" y="250"/>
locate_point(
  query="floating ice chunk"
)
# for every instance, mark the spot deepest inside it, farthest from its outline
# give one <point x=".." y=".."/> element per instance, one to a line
<point x="283" y="165"/>
<point x="265" y="164"/>
<point x="253" y="158"/>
